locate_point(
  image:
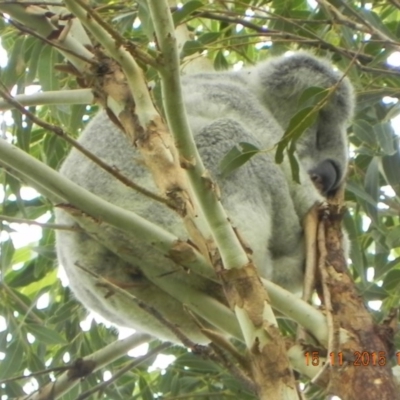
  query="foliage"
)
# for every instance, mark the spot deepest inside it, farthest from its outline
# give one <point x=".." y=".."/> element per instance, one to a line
<point x="359" y="37"/>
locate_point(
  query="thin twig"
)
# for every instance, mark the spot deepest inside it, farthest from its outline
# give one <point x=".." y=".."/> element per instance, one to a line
<point x="6" y="218"/>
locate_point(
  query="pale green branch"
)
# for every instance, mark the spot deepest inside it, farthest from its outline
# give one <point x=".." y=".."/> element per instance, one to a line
<point x="232" y="253"/>
<point x="47" y="225"/>
<point x="75" y="96"/>
<point x="257" y="336"/>
<point x="197" y="301"/>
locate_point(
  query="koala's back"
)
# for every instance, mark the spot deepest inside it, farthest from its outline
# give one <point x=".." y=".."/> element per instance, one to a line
<point x="79" y="249"/>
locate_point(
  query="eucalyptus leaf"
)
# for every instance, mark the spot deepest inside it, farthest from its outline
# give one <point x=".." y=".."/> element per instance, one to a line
<point x="11" y="364"/>
<point x="391" y="168"/>
<point x="302" y="120"/>
<point x="188" y="8"/>
<point x="237" y="156"/>
<point x="384" y="133"/>
<point x="312" y="96"/>
<point x="191" y="47"/>
<point x="45" y="335"/>
<point x="365" y="132"/>
<point x="371" y="184"/>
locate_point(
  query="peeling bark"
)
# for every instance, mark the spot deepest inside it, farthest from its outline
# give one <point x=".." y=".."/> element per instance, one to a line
<point x="366" y="368"/>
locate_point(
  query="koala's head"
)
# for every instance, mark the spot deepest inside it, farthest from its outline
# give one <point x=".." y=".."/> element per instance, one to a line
<point x="322" y="149"/>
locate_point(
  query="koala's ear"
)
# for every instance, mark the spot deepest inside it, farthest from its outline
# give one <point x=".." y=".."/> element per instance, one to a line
<point x="326" y="177"/>
<point x="281" y="80"/>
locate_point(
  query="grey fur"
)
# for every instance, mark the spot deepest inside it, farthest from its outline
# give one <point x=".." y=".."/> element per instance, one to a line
<point x="253" y="105"/>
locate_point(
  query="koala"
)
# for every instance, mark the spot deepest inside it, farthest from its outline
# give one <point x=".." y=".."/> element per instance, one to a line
<point x="262" y="201"/>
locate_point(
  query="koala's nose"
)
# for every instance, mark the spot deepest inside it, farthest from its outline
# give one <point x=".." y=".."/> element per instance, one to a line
<point x="325" y="176"/>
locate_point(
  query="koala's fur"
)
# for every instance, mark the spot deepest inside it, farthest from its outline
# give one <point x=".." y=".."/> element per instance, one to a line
<point x="253" y="105"/>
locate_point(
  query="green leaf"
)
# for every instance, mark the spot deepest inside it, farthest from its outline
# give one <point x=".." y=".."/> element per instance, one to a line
<point x="294" y="167"/>
<point x="236" y="157"/>
<point x="393" y="112"/>
<point x="145" y="390"/>
<point x="356" y="253"/>
<point x="196" y="364"/>
<point x="6" y="253"/>
<point x="15" y="186"/>
<point x="22" y="255"/>
<point x="365" y="132"/>
<point x="45" y="335"/>
<point x="188" y="384"/>
<point x="22" y="130"/>
<point x="220" y="62"/>
<point x="3" y="339"/>
<point x="393" y="237"/>
<point x="312" y="96"/>
<point x="64" y="312"/>
<point x="391" y="167"/>
<point x="175" y="385"/>
<point x="124" y="21"/>
<point x="361" y="193"/>
<point x="209" y="37"/>
<point x="22" y="303"/>
<point x="54" y="148"/>
<point x="12" y="362"/>
<point x="15" y="66"/>
<point x="24" y="276"/>
<point x="375" y="21"/>
<point x="33" y="61"/>
<point x="371" y="184"/>
<point x="145" y="19"/>
<point x="191" y="47"/>
<point x="46" y="71"/>
<point x="181" y="13"/>
<point x="392" y="280"/>
<point x="36" y="364"/>
<point x="302" y="120"/>
<point x="384" y="133"/>
<point x="347" y="36"/>
<point x="75" y="119"/>
<point x="332" y="37"/>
